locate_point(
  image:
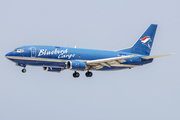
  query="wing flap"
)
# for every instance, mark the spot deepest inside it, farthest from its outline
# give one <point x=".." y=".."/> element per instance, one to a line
<point x="107" y="60"/>
<point x="100" y="63"/>
<point x="105" y="64"/>
<point x="125" y="65"/>
<point x="97" y="67"/>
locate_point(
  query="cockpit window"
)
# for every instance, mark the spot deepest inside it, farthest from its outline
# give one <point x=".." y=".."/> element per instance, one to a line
<point x="19" y="50"/>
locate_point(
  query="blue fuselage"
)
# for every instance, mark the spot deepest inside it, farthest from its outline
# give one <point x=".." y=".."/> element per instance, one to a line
<point x="52" y="56"/>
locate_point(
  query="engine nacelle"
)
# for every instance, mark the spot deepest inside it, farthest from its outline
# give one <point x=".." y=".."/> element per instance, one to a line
<point x="75" y="65"/>
<point x="51" y="69"/>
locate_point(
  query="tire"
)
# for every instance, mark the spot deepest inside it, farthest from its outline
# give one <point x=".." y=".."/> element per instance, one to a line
<point x="23" y="70"/>
<point x="89" y="74"/>
<point x="76" y="74"/>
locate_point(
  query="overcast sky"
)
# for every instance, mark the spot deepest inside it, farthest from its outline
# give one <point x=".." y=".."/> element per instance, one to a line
<point x="150" y="92"/>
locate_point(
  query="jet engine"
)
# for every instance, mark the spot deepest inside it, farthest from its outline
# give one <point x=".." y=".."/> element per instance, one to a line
<point x="51" y="69"/>
<point x="75" y="65"/>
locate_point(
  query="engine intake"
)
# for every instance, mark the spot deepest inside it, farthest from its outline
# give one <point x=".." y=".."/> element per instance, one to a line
<point x="75" y="65"/>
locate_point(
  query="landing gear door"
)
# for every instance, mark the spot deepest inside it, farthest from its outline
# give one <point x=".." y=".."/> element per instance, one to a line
<point x="33" y="52"/>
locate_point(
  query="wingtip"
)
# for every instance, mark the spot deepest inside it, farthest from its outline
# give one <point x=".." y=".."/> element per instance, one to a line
<point x="170" y="54"/>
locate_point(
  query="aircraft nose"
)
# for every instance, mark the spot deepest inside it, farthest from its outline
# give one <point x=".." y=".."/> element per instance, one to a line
<point x="9" y="54"/>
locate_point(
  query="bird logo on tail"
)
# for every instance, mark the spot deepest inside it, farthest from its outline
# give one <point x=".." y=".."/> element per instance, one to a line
<point x="146" y="40"/>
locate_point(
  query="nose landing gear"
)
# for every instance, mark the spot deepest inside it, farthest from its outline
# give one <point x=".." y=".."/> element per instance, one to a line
<point x="23" y="70"/>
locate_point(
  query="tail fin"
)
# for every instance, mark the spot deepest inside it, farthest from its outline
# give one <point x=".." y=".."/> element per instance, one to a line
<point x="144" y="44"/>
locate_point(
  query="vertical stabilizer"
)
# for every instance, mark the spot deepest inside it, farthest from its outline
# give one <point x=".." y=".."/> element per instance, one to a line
<point x="144" y="44"/>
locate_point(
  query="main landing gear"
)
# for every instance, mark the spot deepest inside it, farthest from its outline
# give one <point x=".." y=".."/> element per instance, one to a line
<point x="76" y="74"/>
<point x="88" y="74"/>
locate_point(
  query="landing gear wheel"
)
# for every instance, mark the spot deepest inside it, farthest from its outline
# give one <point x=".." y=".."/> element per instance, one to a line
<point x="23" y="70"/>
<point x="76" y="74"/>
<point x="89" y="74"/>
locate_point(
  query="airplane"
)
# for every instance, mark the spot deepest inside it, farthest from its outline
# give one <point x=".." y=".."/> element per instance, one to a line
<point x="57" y="59"/>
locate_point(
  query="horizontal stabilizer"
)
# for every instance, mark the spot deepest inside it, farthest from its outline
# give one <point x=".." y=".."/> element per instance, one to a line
<point x="155" y="56"/>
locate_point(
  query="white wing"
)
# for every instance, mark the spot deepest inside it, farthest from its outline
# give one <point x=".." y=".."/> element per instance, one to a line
<point x="115" y="61"/>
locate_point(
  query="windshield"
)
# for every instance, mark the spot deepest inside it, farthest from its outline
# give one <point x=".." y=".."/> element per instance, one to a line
<point x="19" y="50"/>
